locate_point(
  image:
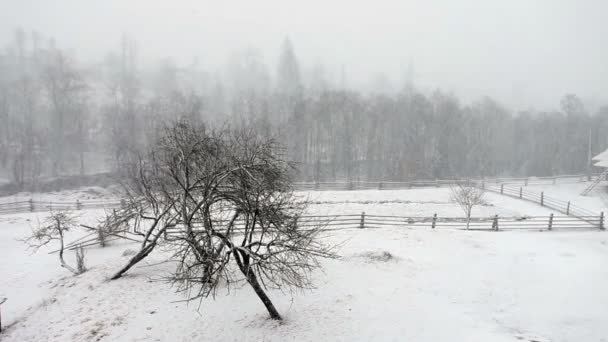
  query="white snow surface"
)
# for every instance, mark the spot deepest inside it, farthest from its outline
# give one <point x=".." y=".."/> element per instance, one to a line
<point x="596" y="201"/>
<point x="439" y="285"/>
<point x="83" y="194"/>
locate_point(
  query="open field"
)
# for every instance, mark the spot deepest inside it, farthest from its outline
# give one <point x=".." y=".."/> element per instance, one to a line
<point x="390" y="284"/>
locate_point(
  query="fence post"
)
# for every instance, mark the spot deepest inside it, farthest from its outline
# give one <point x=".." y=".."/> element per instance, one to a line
<point x="380" y="186"/>
<point x="568" y="208"/>
<point x="31" y="204"/>
<point x="502" y="188"/>
<point x="542" y="199"/>
<point x="78" y="205"/>
<point x="434" y="221"/>
<point x="316" y="185"/>
<point x="362" y="224"/>
<point x="526" y="182"/>
<point x="495" y="223"/>
<point x="436" y="182"/>
<point x="602" y="221"/>
<point x="550" y="221"/>
<point x="520" y="192"/>
<point x="483" y="184"/>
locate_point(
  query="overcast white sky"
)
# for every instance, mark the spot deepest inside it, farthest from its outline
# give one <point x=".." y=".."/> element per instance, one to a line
<point x="525" y="53"/>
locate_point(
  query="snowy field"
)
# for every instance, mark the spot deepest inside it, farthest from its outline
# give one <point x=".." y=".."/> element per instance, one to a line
<point x="438" y="285"/>
<point x="84" y="194"/>
<point x="596" y="201"/>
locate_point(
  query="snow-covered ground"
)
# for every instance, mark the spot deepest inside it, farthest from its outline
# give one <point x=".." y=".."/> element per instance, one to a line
<point x="595" y="201"/>
<point x="417" y="202"/>
<point x="439" y="286"/>
<point x="83" y="194"/>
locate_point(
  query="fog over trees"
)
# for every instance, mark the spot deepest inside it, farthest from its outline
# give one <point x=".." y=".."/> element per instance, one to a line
<point x="62" y="116"/>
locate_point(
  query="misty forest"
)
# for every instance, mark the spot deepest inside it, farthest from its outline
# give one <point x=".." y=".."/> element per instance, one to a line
<point x="64" y="117"/>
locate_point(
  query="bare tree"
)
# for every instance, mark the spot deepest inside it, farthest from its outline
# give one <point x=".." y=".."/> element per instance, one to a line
<point x="467" y="196"/>
<point x="54" y="228"/>
<point x="229" y="195"/>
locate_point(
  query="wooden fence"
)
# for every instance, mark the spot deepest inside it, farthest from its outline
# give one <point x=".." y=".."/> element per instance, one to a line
<point x="329" y="223"/>
<point x="35" y="206"/>
<point x="491" y="184"/>
<point x="383" y="185"/>
<point x="564" y="207"/>
<point x="492" y="223"/>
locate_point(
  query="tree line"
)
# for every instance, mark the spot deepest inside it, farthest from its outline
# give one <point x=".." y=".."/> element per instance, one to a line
<point x="61" y="116"/>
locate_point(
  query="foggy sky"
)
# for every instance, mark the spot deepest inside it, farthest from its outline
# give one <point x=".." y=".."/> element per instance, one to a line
<point x="523" y="53"/>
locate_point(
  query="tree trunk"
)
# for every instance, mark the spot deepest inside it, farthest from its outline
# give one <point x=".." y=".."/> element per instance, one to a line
<point x="143" y="252"/>
<point x="81" y="162"/>
<point x="253" y="281"/>
<point x="61" y="248"/>
<point x="141" y="255"/>
<point x="60" y="243"/>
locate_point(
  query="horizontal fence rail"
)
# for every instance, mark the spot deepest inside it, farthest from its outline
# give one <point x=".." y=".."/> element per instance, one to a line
<point x="330" y="223"/>
<point x="365" y="221"/>
<point x="564" y="207"/>
<point x="383" y="185"/>
<point x="506" y="185"/>
<point x="36" y="206"/>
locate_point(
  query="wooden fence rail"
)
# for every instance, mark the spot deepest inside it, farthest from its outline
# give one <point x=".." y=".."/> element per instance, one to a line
<point x="329" y="223"/>
<point x="384" y="185"/>
<point x="367" y="221"/>
<point x="564" y="207"/>
<point x="506" y="184"/>
<point x="36" y="206"/>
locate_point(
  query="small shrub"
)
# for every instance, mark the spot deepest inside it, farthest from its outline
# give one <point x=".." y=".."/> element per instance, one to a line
<point x="129" y="252"/>
<point x="378" y="256"/>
